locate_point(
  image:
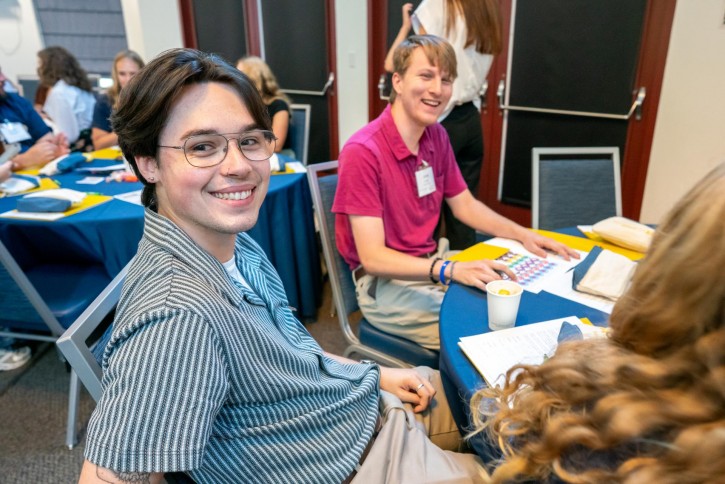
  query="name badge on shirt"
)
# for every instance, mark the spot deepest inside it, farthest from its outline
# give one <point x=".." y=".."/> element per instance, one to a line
<point x="14" y="132"/>
<point x="424" y="179"/>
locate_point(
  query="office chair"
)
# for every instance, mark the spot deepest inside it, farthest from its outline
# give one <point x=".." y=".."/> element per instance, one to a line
<point x="574" y="186"/>
<point x="299" y="131"/>
<point x="383" y="347"/>
<point x="45" y="299"/>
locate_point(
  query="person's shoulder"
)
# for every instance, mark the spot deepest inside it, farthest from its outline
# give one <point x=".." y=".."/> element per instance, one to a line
<point x="15" y="99"/>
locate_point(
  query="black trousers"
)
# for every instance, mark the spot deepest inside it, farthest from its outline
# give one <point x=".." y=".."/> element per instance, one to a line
<point x="463" y="125"/>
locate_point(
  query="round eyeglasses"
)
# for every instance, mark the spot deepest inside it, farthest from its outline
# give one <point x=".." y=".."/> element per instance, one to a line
<point x="207" y="150"/>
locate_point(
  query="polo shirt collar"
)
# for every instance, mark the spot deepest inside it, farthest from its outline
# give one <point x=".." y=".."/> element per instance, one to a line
<point x="393" y="138"/>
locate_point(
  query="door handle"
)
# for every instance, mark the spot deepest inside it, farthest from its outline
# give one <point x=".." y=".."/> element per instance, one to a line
<point x="635" y="109"/>
<point x="381" y="88"/>
<point x="325" y="88"/>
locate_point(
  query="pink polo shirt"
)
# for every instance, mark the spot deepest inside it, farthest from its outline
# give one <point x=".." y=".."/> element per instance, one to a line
<point x="377" y="179"/>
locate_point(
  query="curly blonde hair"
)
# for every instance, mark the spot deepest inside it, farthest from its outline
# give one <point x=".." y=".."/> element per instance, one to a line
<point x="648" y="403"/>
<point x="57" y="63"/>
<point x="261" y="75"/>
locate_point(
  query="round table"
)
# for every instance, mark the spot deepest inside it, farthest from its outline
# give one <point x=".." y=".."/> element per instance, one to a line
<point x="464" y="312"/>
<point x="108" y="234"/>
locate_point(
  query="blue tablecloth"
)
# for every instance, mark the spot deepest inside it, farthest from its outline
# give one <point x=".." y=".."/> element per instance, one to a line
<point x="465" y="313"/>
<point x="109" y="233"/>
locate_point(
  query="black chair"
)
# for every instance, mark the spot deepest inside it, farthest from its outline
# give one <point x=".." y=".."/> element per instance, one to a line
<point x="383" y="347"/>
<point x="299" y="131"/>
<point x="574" y="186"/>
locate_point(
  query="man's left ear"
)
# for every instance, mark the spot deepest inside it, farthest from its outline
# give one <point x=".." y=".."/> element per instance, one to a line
<point x="148" y="167"/>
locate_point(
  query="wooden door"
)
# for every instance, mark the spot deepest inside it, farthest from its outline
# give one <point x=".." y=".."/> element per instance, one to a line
<point x="551" y="47"/>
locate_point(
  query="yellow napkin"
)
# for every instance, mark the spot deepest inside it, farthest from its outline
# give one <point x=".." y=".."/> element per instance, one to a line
<point x="580" y="243"/>
<point x="478" y="252"/>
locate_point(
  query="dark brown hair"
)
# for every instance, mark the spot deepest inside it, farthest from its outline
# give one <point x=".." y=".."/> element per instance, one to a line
<point x="437" y="50"/>
<point x="57" y="64"/>
<point x="145" y="103"/>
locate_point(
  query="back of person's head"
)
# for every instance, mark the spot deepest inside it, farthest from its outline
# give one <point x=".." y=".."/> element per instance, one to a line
<point x="437" y="50"/>
<point x="646" y="404"/>
<point x="115" y="89"/>
<point x="56" y="64"/>
<point x="261" y="74"/>
<point x="147" y="100"/>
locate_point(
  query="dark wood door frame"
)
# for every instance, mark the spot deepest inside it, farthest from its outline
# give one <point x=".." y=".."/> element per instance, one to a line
<point x="251" y="18"/>
<point x="635" y="159"/>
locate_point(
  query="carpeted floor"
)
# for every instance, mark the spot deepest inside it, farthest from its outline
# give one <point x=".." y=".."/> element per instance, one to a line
<point x="34" y="405"/>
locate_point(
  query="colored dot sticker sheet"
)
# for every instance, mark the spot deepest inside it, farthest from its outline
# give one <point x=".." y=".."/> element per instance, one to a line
<point x="533" y="273"/>
<point x="528" y="269"/>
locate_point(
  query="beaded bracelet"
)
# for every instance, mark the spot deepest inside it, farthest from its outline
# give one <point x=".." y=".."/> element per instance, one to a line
<point x="430" y="271"/>
<point x="442" y="275"/>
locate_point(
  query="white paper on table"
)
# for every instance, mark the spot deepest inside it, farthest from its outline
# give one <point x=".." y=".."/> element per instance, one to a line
<point x="296" y="167"/>
<point x="494" y="353"/>
<point x="130" y="197"/>
<point x="41" y="216"/>
<point x="73" y="196"/>
<point x="90" y="180"/>
<point x="562" y="287"/>
<point x="561" y="265"/>
<point x="13" y="185"/>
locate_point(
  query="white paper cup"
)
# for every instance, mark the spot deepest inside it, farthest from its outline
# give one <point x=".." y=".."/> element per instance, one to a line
<point x="502" y="308"/>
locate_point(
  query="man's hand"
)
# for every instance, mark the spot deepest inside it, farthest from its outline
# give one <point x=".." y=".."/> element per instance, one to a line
<point x="538" y="245"/>
<point x="91" y="474"/>
<point x="480" y="272"/>
<point x="44" y="150"/>
<point x="408" y="385"/>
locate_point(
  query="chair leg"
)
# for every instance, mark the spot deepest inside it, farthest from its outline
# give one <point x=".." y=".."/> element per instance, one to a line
<point x="73" y="398"/>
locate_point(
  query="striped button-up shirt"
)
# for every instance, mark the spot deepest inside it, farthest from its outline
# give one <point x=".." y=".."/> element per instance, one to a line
<point x="223" y="382"/>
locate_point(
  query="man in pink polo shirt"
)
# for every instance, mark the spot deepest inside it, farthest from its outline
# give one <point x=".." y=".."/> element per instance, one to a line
<point x="394" y="175"/>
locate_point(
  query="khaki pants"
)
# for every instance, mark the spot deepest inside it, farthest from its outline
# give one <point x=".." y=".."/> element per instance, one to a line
<point x="409" y="309"/>
<point x="410" y="447"/>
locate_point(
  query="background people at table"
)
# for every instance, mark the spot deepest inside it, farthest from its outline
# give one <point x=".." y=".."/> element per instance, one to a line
<point x="126" y="64"/>
<point x="647" y="404"/>
<point x="394" y="175"/>
<point x="202" y="311"/>
<point x="18" y="120"/>
<point x="473" y="28"/>
<point x="277" y="102"/>
<point x="70" y="100"/>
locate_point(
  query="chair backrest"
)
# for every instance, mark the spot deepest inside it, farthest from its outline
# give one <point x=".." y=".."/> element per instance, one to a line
<point x="574" y="186"/>
<point x="20" y="303"/>
<point x="322" y="190"/>
<point x="84" y="355"/>
<point x="299" y="131"/>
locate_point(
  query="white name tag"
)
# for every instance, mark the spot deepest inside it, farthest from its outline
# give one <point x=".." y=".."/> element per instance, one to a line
<point x="14" y="132"/>
<point x="425" y="180"/>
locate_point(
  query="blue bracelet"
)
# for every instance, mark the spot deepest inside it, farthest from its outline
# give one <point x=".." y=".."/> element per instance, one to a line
<point x="442" y="273"/>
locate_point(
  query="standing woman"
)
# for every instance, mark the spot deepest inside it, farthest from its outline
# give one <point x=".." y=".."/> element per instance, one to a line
<point x="125" y="65"/>
<point x="473" y="28"/>
<point x="70" y="100"/>
<point x="277" y="102"/>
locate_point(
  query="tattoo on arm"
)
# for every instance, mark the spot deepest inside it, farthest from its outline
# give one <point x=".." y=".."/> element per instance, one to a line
<point x="115" y="477"/>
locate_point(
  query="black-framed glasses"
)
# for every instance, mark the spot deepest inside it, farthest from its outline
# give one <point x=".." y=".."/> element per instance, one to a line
<point x="207" y="150"/>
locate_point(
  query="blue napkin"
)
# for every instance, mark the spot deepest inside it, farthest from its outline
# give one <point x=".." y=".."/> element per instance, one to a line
<point x="569" y="332"/>
<point x="70" y="162"/>
<point x="42" y="204"/>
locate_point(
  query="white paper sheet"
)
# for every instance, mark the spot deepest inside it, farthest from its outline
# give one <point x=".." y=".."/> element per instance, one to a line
<point x="130" y="197"/>
<point x="494" y="353"/>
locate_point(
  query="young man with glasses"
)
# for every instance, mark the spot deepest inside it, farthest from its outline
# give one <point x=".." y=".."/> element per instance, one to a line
<point x="395" y="173"/>
<point x="207" y="370"/>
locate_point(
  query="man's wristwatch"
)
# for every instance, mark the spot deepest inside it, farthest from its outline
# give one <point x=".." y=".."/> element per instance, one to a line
<point x="369" y="362"/>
